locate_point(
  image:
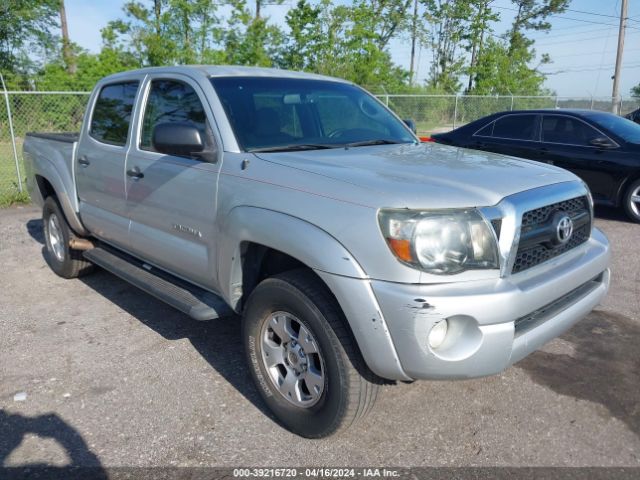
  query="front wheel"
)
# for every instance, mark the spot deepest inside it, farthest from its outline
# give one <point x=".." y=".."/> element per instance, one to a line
<point x="631" y="201"/>
<point x="303" y="357"/>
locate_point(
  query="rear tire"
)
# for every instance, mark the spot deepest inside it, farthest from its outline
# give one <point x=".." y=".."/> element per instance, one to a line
<point x="303" y="357"/>
<point x="62" y="259"/>
<point x="631" y="201"/>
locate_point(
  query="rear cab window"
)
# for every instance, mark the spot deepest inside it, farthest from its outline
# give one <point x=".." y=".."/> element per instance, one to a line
<point x="111" y="116"/>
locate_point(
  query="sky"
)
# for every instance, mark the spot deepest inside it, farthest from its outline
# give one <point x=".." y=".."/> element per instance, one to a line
<point x="582" y="41"/>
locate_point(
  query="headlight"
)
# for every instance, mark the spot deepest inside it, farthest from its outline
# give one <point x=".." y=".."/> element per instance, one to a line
<point x="440" y="241"/>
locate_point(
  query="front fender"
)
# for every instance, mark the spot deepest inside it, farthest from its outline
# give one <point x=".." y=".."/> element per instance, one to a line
<point x="291" y="235"/>
<point x="320" y="251"/>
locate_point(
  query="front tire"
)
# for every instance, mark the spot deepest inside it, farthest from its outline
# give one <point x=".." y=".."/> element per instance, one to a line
<point x="303" y="358"/>
<point x="62" y="259"/>
<point x="631" y="201"/>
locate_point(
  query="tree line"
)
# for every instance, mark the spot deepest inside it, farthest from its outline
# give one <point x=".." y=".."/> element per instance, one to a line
<point x="349" y="40"/>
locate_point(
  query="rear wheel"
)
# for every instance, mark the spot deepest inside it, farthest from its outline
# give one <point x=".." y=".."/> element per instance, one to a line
<point x="62" y="259"/>
<point x="303" y="357"/>
<point x="631" y="201"/>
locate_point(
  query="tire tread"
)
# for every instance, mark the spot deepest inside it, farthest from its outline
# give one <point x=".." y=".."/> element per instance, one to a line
<point x="363" y="383"/>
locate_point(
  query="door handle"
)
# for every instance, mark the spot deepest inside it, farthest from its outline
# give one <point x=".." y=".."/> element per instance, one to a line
<point x="135" y="173"/>
<point x="84" y="161"/>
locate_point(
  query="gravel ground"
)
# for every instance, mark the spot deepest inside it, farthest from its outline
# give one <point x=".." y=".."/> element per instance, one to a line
<point x="95" y="372"/>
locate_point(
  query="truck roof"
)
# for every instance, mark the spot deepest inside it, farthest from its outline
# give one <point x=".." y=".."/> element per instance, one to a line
<point x="225" y="71"/>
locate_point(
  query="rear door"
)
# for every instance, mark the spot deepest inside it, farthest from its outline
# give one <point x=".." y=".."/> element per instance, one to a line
<point x="172" y="203"/>
<point x="566" y="143"/>
<point x="514" y="134"/>
<point x="100" y="161"/>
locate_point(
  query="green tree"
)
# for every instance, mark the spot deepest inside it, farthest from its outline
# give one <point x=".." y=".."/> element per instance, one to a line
<point x="503" y="72"/>
<point x="165" y="32"/>
<point x="347" y="41"/>
<point x="635" y="91"/>
<point x="249" y="39"/>
<point x="447" y="22"/>
<point x="25" y="26"/>
<point x="506" y="65"/>
<point x="479" y="25"/>
<point x="532" y="15"/>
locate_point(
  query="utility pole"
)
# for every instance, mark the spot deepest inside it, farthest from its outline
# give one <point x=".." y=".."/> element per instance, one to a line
<point x="413" y="40"/>
<point x="616" y="76"/>
<point x="258" y="2"/>
<point x="67" y="54"/>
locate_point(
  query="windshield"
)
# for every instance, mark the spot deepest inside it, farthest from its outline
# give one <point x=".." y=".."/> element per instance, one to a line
<point x="271" y="114"/>
<point x="622" y="127"/>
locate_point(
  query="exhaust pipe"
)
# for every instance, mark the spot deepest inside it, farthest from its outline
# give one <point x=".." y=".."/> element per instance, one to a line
<point x="81" y="244"/>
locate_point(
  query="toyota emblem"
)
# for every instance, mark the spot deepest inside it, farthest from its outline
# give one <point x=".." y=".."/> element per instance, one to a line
<point x="564" y="229"/>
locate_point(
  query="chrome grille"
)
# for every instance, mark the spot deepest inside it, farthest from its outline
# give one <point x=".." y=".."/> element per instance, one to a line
<point x="531" y="255"/>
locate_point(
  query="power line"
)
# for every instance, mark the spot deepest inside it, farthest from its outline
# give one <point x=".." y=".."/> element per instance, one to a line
<point x="544" y="44"/>
<point x="570" y="18"/>
<point x="590" y="53"/>
<point x="589" y="69"/>
<point x="591" y="13"/>
<point x="573" y="33"/>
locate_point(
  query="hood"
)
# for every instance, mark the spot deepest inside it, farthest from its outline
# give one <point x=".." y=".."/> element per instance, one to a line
<point x="424" y="175"/>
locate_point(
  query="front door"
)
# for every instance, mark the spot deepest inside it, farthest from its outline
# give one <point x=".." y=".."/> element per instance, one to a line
<point x="100" y="161"/>
<point x="566" y="142"/>
<point x="172" y="199"/>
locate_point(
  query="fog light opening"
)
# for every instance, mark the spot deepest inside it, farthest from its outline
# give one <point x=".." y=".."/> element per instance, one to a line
<point x="438" y="333"/>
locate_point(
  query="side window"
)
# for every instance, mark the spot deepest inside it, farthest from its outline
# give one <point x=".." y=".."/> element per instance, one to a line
<point x="515" y="127"/>
<point x="562" y="129"/>
<point x="112" y="113"/>
<point x="173" y="101"/>
<point x="485" y="131"/>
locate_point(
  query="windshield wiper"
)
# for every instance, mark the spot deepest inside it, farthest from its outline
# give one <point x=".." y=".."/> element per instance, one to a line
<point x="294" y="147"/>
<point x="364" y="143"/>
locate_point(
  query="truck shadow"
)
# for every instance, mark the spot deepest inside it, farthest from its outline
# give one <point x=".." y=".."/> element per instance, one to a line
<point x="219" y="341"/>
<point x="611" y="213"/>
<point x="603" y="366"/>
<point x="14" y="428"/>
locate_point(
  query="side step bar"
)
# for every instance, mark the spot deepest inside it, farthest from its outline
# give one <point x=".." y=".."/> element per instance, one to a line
<point x="199" y="304"/>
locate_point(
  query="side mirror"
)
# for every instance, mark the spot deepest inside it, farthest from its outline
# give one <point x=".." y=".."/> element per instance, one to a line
<point x="411" y="124"/>
<point x="181" y="139"/>
<point x="602" y="142"/>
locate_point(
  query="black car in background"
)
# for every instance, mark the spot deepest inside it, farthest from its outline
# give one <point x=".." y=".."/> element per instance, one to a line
<point x="601" y="148"/>
<point x="634" y="116"/>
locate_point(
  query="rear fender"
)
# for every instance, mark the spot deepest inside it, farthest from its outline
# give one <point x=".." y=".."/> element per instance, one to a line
<point x="64" y="190"/>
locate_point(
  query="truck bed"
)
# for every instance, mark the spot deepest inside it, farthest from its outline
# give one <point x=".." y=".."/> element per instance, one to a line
<point x="66" y="137"/>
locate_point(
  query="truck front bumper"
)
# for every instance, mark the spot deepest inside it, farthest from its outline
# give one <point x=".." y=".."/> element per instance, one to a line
<point x="492" y="323"/>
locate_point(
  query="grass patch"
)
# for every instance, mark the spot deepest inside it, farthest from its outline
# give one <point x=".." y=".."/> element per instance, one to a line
<point x="9" y="191"/>
<point x="13" y="198"/>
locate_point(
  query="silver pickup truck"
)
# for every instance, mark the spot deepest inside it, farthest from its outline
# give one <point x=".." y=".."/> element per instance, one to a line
<point x="354" y="254"/>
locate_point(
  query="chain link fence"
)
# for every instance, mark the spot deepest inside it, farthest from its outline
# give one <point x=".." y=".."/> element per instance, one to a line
<point x="439" y="113"/>
<point x="22" y="112"/>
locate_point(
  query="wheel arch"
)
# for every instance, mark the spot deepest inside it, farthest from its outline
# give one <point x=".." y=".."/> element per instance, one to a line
<point x="624" y="185"/>
<point x="257" y="240"/>
<point x="50" y="184"/>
